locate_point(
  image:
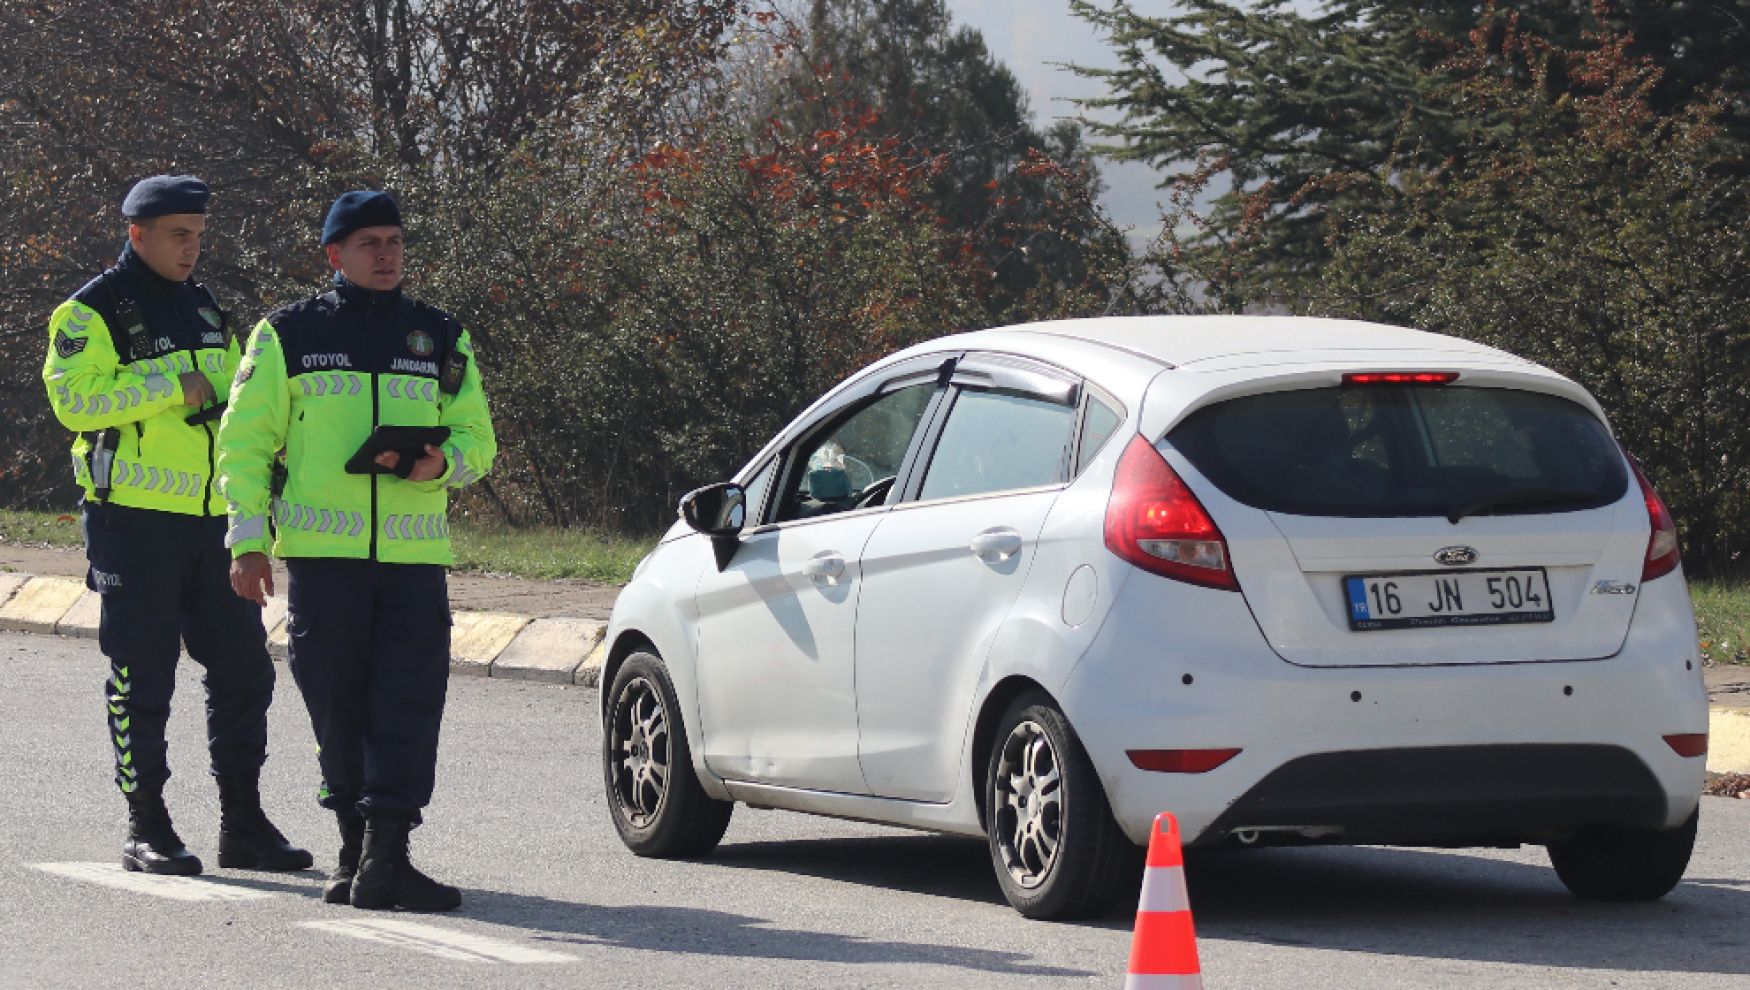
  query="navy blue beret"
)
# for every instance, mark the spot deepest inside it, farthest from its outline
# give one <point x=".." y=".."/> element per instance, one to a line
<point x="357" y="210"/>
<point x="162" y="195"/>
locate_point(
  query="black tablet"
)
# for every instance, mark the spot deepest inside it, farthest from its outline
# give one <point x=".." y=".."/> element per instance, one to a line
<point x="206" y="415"/>
<point x="410" y="441"/>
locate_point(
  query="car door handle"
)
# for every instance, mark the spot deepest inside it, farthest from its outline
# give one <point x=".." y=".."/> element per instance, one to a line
<point x="825" y="567"/>
<point x="1000" y="542"/>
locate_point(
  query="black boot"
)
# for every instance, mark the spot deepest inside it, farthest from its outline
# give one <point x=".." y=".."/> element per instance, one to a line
<point x="386" y="879"/>
<point x="338" y="889"/>
<point x="152" y="845"/>
<point x="247" y="840"/>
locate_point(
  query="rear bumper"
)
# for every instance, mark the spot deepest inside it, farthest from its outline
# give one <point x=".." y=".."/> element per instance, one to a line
<point x="1448" y="755"/>
<point x="1466" y="795"/>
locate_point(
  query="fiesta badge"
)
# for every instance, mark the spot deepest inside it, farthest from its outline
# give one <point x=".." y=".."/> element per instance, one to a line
<point x="1456" y="556"/>
<point x="419" y="342"/>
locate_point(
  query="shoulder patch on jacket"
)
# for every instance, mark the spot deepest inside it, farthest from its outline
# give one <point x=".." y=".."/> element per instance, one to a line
<point x="68" y="346"/>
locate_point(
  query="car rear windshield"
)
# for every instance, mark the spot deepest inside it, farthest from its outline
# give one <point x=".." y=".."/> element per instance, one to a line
<point x="1405" y="451"/>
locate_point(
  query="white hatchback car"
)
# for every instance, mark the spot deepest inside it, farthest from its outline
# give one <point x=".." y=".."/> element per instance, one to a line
<point x="1294" y="580"/>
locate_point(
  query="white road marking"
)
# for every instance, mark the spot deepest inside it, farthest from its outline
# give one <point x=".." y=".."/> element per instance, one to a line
<point x="440" y="942"/>
<point x="174" y="888"/>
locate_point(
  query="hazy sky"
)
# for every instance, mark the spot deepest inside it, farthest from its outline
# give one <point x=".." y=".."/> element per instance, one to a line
<point x="1029" y="36"/>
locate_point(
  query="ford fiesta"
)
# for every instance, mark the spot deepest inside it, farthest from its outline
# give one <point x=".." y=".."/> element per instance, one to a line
<point x="1293" y="580"/>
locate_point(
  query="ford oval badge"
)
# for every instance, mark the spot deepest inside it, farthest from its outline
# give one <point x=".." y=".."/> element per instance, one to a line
<point x="1456" y="556"/>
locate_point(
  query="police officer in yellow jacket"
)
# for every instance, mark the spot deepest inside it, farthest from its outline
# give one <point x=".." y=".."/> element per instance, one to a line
<point x="366" y="553"/>
<point x="139" y="364"/>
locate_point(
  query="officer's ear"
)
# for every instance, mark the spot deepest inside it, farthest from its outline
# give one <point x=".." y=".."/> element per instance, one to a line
<point x="137" y="231"/>
<point x="333" y="253"/>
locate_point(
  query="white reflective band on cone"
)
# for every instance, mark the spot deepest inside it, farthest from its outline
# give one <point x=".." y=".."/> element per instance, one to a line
<point x="1158" y="982"/>
<point x="1163" y="889"/>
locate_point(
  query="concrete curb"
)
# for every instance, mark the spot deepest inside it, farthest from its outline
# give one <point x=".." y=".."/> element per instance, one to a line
<point x="1728" y="740"/>
<point x="555" y="650"/>
<point x="559" y="650"/>
<point x="39" y="604"/>
<point x="81" y="620"/>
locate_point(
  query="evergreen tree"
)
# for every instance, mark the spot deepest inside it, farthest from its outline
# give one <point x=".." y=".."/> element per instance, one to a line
<point x="1272" y="107"/>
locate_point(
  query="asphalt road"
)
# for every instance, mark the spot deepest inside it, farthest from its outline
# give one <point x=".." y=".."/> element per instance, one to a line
<point x="553" y="900"/>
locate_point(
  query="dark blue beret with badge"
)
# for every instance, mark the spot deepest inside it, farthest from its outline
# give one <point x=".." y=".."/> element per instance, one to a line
<point x="162" y="195"/>
<point x="357" y="210"/>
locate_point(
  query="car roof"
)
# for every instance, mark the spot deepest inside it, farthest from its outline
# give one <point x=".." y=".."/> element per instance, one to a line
<point x="1177" y="341"/>
<point x="1188" y="361"/>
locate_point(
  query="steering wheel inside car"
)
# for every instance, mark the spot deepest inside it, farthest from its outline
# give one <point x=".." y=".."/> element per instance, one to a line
<point x="875" y="494"/>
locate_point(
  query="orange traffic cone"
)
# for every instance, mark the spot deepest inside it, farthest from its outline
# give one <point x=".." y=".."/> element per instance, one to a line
<point x="1163" y="954"/>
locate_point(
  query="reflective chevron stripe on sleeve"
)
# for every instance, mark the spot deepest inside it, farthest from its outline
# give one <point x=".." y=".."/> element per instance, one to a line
<point x="462" y="475"/>
<point x="178" y="363"/>
<point x="249" y="528"/>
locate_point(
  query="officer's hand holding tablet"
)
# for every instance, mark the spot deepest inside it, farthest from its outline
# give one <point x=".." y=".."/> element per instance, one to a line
<point x="409" y="452"/>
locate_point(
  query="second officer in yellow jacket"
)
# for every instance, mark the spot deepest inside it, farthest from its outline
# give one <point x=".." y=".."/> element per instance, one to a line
<point x="366" y="553"/>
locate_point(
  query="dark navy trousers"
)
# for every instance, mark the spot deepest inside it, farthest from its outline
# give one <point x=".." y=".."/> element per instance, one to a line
<point x="164" y="578"/>
<point x="370" y="651"/>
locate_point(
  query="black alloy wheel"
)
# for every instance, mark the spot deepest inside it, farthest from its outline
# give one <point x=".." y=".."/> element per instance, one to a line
<point x="654" y="797"/>
<point x="1056" y="849"/>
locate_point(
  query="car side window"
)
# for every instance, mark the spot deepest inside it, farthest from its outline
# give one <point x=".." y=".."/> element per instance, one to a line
<point x="996" y="441"/>
<point x="853" y="465"/>
<point x="1097" y="427"/>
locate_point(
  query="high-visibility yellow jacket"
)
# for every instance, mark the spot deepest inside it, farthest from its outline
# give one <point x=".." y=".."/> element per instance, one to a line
<point x="116" y="351"/>
<point x="316" y="379"/>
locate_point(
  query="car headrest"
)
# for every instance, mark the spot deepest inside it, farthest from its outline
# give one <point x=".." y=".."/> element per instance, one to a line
<point x="829" y="483"/>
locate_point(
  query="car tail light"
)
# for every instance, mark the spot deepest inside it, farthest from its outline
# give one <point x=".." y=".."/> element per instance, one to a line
<point x="1154" y="522"/>
<point x="1400" y="378"/>
<point x="1688" y="744"/>
<point x="1662" y="553"/>
<point x="1179" y="760"/>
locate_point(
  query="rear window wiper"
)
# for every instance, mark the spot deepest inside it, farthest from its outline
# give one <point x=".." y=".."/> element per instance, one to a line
<point x="1506" y="497"/>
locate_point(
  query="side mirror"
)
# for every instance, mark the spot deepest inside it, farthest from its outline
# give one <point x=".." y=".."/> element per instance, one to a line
<point x="716" y="510"/>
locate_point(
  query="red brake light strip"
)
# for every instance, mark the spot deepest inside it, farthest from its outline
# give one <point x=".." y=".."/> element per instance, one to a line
<point x="1400" y="378"/>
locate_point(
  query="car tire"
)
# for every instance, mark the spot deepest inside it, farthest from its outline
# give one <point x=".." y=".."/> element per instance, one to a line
<point x="1624" y="864"/>
<point x="653" y="794"/>
<point x="1056" y="849"/>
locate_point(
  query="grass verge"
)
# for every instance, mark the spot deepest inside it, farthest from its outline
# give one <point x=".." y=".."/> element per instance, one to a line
<point x="542" y="553"/>
<point x="546" y="553"/>
<point x="1722" y="613"/>
<point x="52" y="529"/>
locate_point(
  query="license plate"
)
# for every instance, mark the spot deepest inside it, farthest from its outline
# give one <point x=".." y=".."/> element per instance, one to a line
<point x="1425" y="599"/>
